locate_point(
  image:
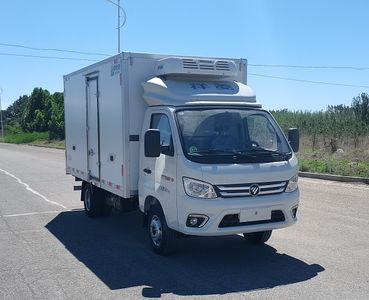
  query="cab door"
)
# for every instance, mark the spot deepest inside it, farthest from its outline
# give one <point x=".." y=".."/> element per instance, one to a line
<point x="158" y="174"/>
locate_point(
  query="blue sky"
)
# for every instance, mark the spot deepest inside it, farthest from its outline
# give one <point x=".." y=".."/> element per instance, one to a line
<point x="318" y="33"/>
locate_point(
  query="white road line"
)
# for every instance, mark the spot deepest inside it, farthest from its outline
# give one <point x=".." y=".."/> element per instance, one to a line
<point x="34" y="213"/>
<point x="32" y="190"/>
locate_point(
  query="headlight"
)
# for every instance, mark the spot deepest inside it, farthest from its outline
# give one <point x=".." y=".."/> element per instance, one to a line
<point x="198" y="189"/>
<point x="292" y="184"/>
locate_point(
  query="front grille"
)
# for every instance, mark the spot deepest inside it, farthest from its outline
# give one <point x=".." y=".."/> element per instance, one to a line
<point x="243" y="190"/>
<point x="233" y="220"/>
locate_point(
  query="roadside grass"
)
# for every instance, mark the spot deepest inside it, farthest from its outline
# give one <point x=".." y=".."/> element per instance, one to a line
<point x="335" y="167"/>
<point x="33" y="138"/>
<point x="348" y="161"/>
<point x="25" y="137"/>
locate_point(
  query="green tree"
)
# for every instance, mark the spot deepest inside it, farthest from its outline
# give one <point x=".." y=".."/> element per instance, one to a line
<point x="13" y="114"/>
<point x="36" y="112"/>
<point x="360" y="105"/>
<point x="56" y="122"/>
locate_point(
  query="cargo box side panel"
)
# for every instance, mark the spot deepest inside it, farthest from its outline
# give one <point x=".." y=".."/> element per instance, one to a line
<point x="75" y="126"/>
<point x="112" y="131"/>
<point x="141" y="69"/>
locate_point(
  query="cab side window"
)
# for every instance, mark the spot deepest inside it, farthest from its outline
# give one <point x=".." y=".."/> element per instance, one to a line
<point x="161" y="122"/>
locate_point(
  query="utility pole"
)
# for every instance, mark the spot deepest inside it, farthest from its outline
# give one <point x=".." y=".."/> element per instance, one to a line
<point x="118" y="26"/>
<point x="1" y="118"/>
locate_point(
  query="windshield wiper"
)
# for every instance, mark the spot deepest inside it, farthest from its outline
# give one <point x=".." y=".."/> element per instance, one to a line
<point x="263" y="151"/>
<point x="233" y="152"/>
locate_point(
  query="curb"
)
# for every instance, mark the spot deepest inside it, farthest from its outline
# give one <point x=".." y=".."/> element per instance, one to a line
<point x="46" y="146"/>
<point x="35" y="145"/>
<point x="334" y="177"/>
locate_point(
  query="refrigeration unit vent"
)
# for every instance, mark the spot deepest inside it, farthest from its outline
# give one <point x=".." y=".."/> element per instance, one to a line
<point x="194" y="66"/>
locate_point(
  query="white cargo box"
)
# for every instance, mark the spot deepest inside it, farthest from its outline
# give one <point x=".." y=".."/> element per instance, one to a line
<point x="105" y="107"/>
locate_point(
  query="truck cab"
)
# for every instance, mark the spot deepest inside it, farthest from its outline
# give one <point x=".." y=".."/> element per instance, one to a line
<point x="213" y="162"/>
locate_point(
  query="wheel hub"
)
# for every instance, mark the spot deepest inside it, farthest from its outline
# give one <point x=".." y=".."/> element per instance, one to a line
<point x="155" y="230"/>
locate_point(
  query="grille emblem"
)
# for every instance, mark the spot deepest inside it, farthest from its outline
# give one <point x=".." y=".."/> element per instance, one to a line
<point x="254" y="190"/>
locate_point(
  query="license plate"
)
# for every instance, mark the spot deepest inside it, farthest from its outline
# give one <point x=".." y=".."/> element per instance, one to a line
<point x="255" y="214"/>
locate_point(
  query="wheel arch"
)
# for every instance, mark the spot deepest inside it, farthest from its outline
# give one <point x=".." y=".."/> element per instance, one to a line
<point x="151" y="201"/>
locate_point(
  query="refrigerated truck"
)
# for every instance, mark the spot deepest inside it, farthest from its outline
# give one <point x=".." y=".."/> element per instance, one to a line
<point x="184" y="140"/>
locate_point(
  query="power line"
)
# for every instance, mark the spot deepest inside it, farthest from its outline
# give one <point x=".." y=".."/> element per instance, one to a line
<point x="310" y="67"/>
<point x="250" y="64"/>
<point x="310" y="81"/>
<point x="251" y="74"/>
<point x="53" y="49"/>
<point x="47" y="57"/>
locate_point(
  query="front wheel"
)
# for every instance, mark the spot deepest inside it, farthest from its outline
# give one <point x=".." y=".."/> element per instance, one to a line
<point x="258" y="237"/>
<point x="163" y="239"/>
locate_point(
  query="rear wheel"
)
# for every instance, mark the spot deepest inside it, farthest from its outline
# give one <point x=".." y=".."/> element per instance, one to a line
<point x="163" y="239"/>
<point x="258" y="237"/>
<point x="92" y="200"/>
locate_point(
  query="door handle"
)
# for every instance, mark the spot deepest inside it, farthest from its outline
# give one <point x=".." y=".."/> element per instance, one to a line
<point x="146" y="170"/>
<point x="91" y="152"/>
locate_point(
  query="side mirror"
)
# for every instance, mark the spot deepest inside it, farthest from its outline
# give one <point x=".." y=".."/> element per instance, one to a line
<point x="294" y="139"/>
<point x="152" y="143"/>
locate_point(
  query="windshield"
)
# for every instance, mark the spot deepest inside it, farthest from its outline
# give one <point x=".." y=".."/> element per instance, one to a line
<point x="229" y="135"/>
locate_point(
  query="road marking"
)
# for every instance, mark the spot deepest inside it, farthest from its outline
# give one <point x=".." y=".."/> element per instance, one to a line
<point x="32" y="190"/>
<point x="41" y="213"/>
<point x="34" y="213"/>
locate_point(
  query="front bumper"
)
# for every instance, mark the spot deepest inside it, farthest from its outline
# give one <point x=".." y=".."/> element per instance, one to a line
<point x="217" y="209"/>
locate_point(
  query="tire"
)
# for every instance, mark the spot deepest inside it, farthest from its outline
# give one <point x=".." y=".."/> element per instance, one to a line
<point x="258" y="237"/>
<point x="163" y="239"/>
<point x="92" y="200"/>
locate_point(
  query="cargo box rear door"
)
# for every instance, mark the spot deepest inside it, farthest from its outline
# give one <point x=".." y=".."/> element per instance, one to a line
<point x="93" y="134"/>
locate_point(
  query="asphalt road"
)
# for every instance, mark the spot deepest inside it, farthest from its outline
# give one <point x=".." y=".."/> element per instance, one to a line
<point x="49" y="249"/>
